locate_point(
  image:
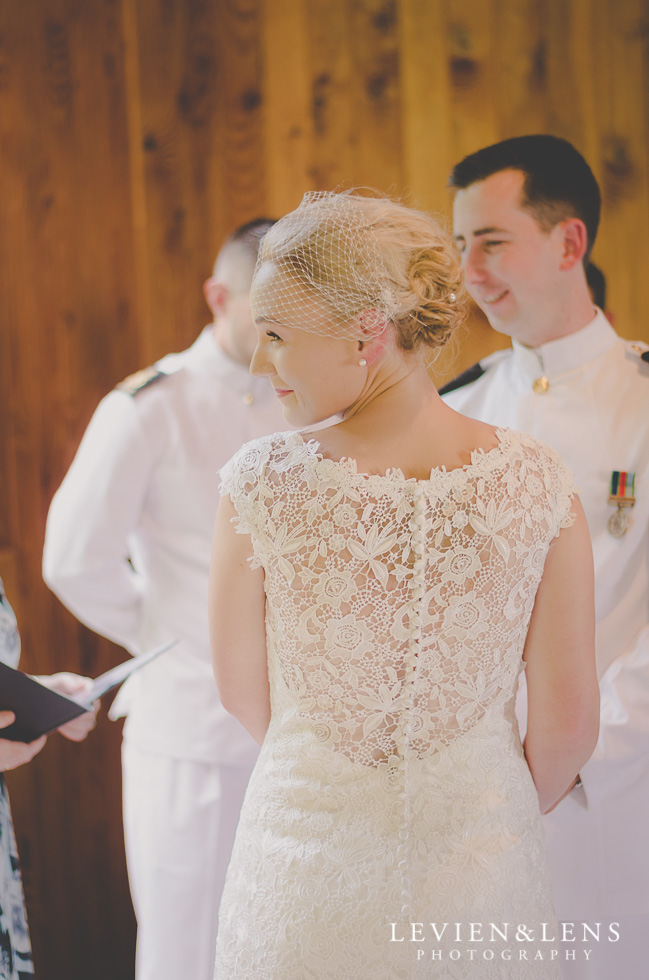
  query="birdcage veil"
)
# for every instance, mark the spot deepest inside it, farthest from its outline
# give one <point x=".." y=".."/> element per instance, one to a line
<point x="326" y="249"/>
<point x="338" y="255"/>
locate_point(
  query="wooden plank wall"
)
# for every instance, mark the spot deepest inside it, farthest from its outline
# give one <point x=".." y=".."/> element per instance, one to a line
<point x="134" y="135"/>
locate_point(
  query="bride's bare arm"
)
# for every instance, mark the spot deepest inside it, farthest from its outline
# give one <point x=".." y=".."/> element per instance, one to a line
<point x="562" y="688"/>
<point x="237" y="628"/>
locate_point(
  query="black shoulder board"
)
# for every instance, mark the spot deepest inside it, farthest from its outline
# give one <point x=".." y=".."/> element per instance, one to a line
<point x="471" y="374"/>
<point x="140" y="380"/>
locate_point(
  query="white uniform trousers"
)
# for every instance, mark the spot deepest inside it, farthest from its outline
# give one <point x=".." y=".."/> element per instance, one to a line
<point x="180" y="818"/>
<point x="621" y="952"/>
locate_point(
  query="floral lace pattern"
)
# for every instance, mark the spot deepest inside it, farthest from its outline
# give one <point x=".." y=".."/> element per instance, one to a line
<point x="391" y="786"/>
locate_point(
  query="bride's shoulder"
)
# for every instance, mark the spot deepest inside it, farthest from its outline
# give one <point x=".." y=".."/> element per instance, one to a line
<point x="269" y="451"/>
<point x="536" y="455"/>
<point x="527" y="445"/>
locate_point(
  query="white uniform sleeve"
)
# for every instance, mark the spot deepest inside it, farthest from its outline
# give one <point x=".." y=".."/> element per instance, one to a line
<point x="95" y="510"/>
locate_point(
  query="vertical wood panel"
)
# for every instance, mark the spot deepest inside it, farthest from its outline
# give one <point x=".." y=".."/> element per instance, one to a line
<point x="331" y="63"/>
<point x="142" y="301"/>
<point x="182" y="105"/>
<point x="239" y="141"/>
<point x="68" y="286"/>
<point x="623" y="164"/>
<point x="134" y="135"/>
<point x="288" y="125"/>
<point x="426" y="108"/>
<point x="472" y="50"/>
<point x="520" y="59"/>
<point x="375" y="94"/>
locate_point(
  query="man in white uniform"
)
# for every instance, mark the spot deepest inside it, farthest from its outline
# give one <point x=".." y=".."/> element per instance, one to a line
<point x="525" y="216"/>
<point x="127" y="550"/>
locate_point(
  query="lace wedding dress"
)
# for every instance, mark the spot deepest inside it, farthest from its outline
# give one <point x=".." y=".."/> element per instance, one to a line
<point x="391" y="788"/>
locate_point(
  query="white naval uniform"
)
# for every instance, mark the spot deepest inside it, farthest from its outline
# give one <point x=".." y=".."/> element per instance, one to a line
<point x="144" y="486"/>
<point x="595" y="413"/>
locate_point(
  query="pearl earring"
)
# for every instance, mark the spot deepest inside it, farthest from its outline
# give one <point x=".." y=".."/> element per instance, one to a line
<point x="362" y="362"/>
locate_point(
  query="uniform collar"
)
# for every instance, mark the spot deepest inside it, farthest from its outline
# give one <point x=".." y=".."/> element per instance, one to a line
<point x="568" y="353"/>
<point x="206" y="357"/>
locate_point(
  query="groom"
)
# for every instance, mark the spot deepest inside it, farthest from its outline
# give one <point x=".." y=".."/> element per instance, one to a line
<point x="526" y="212"/>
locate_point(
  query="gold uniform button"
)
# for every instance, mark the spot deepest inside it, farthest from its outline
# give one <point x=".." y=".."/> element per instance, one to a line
<point x="248" y="398"/>
<point x="541" y="385"/>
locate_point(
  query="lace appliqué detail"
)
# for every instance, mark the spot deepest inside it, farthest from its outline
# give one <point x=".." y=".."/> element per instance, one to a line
<point x="358" y="567"/>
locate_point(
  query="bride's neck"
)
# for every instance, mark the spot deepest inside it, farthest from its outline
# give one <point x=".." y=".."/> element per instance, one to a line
<point x="392" y="401"/>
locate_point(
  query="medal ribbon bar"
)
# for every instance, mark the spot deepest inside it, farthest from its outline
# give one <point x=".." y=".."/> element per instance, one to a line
<point x="621" y="492"/>
<point x="622" y="488"/>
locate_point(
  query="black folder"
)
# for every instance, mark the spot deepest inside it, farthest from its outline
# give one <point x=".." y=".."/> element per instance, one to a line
<point x="39" y="710"/>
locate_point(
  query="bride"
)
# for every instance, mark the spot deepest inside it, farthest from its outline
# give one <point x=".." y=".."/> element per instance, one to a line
<point x="377" y="588"/>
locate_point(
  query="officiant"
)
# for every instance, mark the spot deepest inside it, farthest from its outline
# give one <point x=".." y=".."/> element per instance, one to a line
<point x="15" y="948"/>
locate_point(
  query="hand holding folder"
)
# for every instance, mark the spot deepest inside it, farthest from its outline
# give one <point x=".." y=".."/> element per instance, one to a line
<point x="39" y="710"/>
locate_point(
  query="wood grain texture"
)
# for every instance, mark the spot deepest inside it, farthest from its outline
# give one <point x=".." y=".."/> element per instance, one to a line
<point x="426" y="110"/>
<point x="331" y="64"/>
<point x="134" y="135"/>
<point x="287" y="120"/>
<point x="67" y="333"/>
<point x="375" y="94"/>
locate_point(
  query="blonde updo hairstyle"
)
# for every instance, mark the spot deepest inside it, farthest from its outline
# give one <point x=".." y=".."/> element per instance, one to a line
<point x="357" y="253"/>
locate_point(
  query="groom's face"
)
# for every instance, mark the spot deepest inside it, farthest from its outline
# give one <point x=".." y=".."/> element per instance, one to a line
<point x="510" y="262"/>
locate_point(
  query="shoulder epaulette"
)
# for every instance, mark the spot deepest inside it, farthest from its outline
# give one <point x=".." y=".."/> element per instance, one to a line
<point x="640" y="350"/>
<point x="140" y="380"/>
<point x="471" y="374"/>
<point x="476" y="370"/>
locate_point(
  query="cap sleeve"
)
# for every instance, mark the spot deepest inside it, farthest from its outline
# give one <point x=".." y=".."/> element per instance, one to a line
<point x="241" y="481"/>
<point x="561" y="489"/>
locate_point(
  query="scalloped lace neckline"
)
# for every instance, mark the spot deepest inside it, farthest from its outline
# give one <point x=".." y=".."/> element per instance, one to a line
<point x="395" y="474"/>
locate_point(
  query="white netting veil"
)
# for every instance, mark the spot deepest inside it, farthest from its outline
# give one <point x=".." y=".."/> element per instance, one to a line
<point x="340" y="255"/>
<point x="325" y="250"/>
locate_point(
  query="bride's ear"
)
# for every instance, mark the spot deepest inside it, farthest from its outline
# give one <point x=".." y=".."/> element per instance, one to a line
<point x="373" y="325"/>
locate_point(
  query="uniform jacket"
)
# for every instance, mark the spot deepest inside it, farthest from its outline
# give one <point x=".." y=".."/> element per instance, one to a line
<point x="129" y="534"/>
